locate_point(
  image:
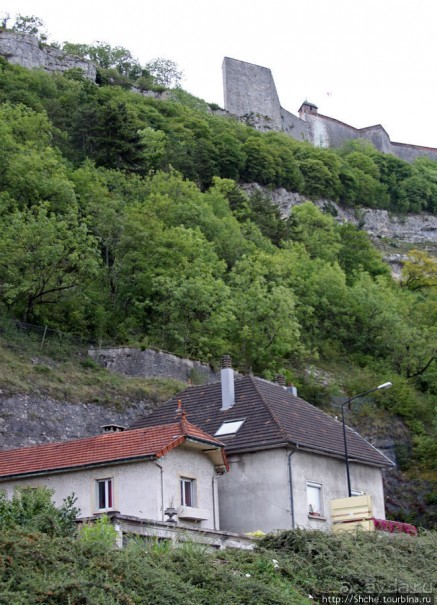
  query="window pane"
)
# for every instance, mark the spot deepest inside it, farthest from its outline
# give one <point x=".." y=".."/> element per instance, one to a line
<point x="314" y="498"/>
<point x="109" y="499"/>
<point x="187" y="492"/>
<point x="188" y="498"/>
<point x="102" y="499"/>
<point x="229" y="428"/>
<point x="104" y="494"/>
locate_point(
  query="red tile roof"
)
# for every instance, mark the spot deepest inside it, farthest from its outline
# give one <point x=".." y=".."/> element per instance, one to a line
<point x="272" y="417"/>
<point x="152" y="442"/>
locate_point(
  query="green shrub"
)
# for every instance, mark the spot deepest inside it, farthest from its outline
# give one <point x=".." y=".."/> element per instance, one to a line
<point x="33" y="509"/>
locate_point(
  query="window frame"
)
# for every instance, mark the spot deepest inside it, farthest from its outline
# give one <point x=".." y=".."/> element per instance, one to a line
<point x="190" y="484"/>
<point x="312" y="512"/>
<point x="108" y="494"/>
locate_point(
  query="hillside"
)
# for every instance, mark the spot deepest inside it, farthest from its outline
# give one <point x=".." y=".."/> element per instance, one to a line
<point x="123" y="220"/>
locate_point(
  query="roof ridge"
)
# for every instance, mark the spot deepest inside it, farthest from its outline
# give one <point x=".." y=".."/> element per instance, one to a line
<point x="282" y="431"/>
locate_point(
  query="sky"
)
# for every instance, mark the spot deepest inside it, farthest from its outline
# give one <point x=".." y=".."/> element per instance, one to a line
<point x="363" y="62"/>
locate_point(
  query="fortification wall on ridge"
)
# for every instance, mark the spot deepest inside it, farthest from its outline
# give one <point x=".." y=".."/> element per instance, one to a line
<point x="250" y="89"/>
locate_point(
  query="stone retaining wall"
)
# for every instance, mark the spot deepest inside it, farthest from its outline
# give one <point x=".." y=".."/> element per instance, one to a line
<point x="152" y="363"/>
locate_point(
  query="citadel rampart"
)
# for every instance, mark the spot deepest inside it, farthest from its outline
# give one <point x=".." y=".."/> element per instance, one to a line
<point x="249" y="93"/>
<point x="249" y="90"/>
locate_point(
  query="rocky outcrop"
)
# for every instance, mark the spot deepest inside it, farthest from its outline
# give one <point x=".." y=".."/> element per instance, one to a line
<point x="30" y="419"/>
<point x="412" y="228"/>
<point x="25" y="50"/>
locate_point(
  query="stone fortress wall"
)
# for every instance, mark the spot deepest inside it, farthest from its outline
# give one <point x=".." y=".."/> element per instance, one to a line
<point x="250" y="91"/>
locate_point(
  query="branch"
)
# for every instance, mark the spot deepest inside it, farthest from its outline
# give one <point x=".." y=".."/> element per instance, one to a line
<point x="422" y="370"/>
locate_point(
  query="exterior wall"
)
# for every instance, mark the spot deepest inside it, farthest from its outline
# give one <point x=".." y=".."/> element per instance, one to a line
<point x="294" y="126"/>
<point x="255" y="495"/>
<point x="330" y="473"/>
<point x="410" y="152"/>
<point x="191" y="464"/>
<point x="138" y="491"/>
<point x="326" y="132"/>
<point x="249" y="88"/>
<point x="378" y="136"/>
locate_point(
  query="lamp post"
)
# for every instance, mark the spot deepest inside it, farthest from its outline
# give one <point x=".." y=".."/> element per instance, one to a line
<point x="386" y="385"/>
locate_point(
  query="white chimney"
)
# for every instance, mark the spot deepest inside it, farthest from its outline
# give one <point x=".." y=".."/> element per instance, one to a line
<point x="227" y="382"/>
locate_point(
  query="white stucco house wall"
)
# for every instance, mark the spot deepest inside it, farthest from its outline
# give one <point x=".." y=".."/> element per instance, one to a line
<point x="286" y="456"/>
<point x="138" y="474"/>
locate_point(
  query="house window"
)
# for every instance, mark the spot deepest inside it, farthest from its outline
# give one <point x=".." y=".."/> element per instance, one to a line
<point x="314" y="499"/>
<point x="105" y="495"/>
<point x="230" y="427"/>
<point x="188" y="492"/>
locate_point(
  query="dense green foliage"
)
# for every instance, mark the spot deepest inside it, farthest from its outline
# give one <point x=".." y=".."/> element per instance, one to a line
<point x="120" y="219"/>
<point x="293" y="567"/>
<point x="34" y="510"/>
<point x="44" y="560"/>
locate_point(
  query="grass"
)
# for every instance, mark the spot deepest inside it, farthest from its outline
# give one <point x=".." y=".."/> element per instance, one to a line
<point x="67" y="373"/>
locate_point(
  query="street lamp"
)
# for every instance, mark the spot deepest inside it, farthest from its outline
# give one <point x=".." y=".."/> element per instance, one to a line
<point x="386" y="385"/>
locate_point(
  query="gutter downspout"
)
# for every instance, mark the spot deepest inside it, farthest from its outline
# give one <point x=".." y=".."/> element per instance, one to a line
<point x="162" y="489"/>
<point x="213" y="499"/>
<point x="290" y="487"/>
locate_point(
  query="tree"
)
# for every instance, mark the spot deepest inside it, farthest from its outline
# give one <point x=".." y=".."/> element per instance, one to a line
<point x="33" y="509"/>
<point x="106" y="57"/>
<point x="262" y="327"/>
<point x="32" y="25"/>
<point x="43" y="258"/>
<point x="4" y="18"/>
<point x="357" y="254"/>
<point x="419" y="272"/>
<point x="260" y="165"/>
<point x="165" y="72"/>
<point x="319" y="181"/>
<point x="115" y="138"/>
<point x="316" y="231"/>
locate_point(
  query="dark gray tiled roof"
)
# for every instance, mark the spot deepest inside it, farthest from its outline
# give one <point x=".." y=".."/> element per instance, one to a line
<point x="273" y="417"/>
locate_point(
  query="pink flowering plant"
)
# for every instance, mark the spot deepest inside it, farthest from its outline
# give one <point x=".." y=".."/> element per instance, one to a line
<point x="394" y="527"/>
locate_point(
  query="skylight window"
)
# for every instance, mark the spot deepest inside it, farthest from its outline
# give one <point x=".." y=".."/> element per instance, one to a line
<point x="230" y="427"/>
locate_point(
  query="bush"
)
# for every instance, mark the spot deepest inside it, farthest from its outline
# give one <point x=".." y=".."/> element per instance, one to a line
<point x="33" y="509"/>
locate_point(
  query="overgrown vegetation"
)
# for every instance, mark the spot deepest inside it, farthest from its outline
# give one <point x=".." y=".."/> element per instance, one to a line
<point x="40" y="562"/>
<point x="43" y="561"/>
<point x="121" y="218"/>
<point x="63" y="370"/>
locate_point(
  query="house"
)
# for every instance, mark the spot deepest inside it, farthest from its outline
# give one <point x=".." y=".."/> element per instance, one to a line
<point x="136" y="474"/>
<point x="286" y="456"/>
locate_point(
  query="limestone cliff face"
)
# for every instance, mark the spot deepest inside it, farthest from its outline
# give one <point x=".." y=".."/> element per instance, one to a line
<point x="24" y="50"/>
<point x="412" y="228"/>
<point x="31" y="419"/>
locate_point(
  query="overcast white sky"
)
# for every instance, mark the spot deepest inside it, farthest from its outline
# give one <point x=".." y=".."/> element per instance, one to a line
<point x="363" y="62"/>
